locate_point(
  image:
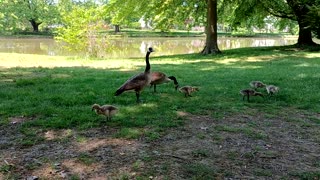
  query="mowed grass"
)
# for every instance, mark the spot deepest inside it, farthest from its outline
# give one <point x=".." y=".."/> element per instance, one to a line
<point x="59" y="91"/>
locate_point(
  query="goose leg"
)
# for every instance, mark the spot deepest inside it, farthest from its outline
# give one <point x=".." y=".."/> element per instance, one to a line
<point x="138" y="96"/>
<point x="248" y="98"/>
<point x="154" y="88"/>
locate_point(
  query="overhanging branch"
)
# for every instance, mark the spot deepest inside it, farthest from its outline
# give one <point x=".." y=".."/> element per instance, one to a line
<point x="278" y="13"/>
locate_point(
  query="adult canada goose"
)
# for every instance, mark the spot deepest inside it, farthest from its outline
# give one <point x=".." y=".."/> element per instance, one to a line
<point x="257" y="84"/>
<point x="106" y="110"/>
<point x="249" y="92"/>
<point x="160" y="78"/>
<point x="139" y="81"/>
<point x="187" y="90"/>
<point x="271" y="89"/>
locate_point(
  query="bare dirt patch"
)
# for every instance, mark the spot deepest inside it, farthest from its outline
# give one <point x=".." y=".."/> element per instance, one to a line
<point x="255" y="146"/>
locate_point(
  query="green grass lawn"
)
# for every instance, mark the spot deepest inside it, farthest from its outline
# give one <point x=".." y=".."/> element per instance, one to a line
<point x="61" y="97"/>
<point x="167" y="135"/>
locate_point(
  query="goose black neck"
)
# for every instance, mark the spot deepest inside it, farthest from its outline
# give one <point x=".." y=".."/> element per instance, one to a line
<point x="147" y="63"/>
<point x="174" y="79"/>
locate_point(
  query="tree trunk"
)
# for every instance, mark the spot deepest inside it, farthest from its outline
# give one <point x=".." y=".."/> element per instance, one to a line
<point x="211" y="46"/>
<point x="35" y="25"/>
<point x="305" y="35"/>
<point x="301" y="11"/>
<point x="117" y="28"/>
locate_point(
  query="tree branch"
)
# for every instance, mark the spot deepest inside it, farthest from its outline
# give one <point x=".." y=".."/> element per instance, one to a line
<point x="278" y="13"/>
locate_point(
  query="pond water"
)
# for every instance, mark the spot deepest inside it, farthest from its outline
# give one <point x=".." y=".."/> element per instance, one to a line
<point x="136" y="47"/>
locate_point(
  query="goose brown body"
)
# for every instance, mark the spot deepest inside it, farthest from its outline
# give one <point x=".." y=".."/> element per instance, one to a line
<point x="249" y="92"/>
<point x="187" y="90"/>
<point x="139" y="81"/>
<point x="161" y="78"/>
<point x="106" y="110"/>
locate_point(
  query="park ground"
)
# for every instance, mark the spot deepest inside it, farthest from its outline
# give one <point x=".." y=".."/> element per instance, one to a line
<point x="283" y="146"/>
<point x="212" y="135"/>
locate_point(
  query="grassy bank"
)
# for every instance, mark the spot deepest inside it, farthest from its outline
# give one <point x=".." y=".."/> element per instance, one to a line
<point x="61" y="97"/>
<point x="148" y="33"/>
<point x="48" y="130"/>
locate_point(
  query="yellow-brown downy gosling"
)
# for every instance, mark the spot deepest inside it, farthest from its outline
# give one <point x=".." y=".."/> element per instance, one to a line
<point x="249" y="92"/>
<point x="139" y="81"/>
<point x="257" y="84"/>
<point x="271" y="89"/>
<point x="187" y="90"/>
<point x="161" y="78"/>
<point x="106" y="110"/>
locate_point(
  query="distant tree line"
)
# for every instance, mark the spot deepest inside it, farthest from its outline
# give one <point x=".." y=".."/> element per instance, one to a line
<point x="75" y="20"/>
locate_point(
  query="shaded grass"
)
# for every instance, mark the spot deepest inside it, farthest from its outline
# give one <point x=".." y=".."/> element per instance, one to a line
<point x="61" y="97"/>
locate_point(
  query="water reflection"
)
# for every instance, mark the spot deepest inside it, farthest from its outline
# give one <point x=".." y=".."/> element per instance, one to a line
<point x="136" y="47"/>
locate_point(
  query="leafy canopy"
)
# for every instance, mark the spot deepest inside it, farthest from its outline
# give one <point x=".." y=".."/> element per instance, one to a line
<point x="17" y="13"/>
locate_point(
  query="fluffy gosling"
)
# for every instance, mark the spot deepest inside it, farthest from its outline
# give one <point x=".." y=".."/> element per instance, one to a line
<point x="187" y="90"/>
<point x="271" y="89"/>
<point x="248" y="93"/>
<point x="257" y="84"/>
<point x="106" y="110"/>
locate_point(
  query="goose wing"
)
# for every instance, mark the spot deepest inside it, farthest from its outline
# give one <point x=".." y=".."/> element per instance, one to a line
<point x="155" y="76"/>
<point x="136" y="82"/>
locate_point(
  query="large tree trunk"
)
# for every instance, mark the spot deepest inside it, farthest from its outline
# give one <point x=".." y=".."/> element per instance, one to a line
<point x="35" y="25"/>
<point x="301" y="10"/>
<point x="211" y="46"/>
<point x="305" y="35"/>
